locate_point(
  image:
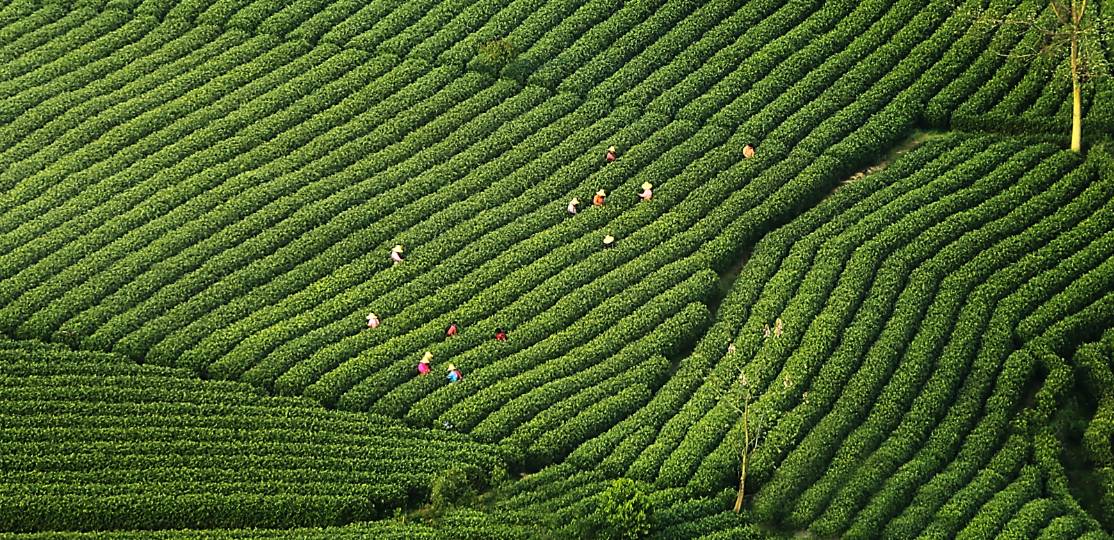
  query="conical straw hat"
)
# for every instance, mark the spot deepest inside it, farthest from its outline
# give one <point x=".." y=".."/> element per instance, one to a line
<point x="647" y="185"/>
<point x="397" y="248"/>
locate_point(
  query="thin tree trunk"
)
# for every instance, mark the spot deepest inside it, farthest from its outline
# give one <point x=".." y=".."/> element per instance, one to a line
<point x="1076" y="97"/>
<point x="742" y="485"/>
<point x="743" y="465"/>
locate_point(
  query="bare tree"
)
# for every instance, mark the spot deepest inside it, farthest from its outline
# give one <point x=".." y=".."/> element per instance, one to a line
<point x="751" y="436"/>
<point x="1075" y="32"/>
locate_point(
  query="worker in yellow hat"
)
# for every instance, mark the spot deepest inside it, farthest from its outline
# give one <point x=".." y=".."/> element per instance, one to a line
<point x="611" y="154"/>
<point x="598" y="199"/>
<point x="423" y="364"/>
<point x="572" y="206"/>
<point x="647" y="192"/>
<point x="396" y="254"/>
<point x="454" y="374"/>
<point x="748" y="151"/>
<point x="609" y="241"/>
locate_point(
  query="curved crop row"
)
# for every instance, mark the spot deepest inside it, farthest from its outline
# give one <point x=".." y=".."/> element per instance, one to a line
<point x="122" y="445"/>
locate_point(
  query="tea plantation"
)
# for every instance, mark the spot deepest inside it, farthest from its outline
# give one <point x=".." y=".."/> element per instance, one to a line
<point x="894" y="320"/>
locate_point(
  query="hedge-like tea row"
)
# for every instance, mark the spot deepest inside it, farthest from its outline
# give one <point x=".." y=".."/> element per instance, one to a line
<point x="93" y="441"/>
<point x="39" y="126"/>
<point x="1095" y="359"/>
<point x="925" y="245"/>
<point x="430" y="182"/>
<point x="821" y="134"/>
<point x="1069" y="214"/>
<point x="245" y="239"/>
<point x="1009" y="89"/>
<point x="182" y="95"/>
<point x="143" y="226"/>
<point x="463" y="524"/>
<point x="96" y="287"/>
<point x="216" y="186"/>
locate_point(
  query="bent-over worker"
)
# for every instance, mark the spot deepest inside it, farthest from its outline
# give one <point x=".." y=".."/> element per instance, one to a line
<point x="396" y="254"/>
<point x="647" y="192"/>
<point x="454" y="374"/>
<point x="423" y="364"/>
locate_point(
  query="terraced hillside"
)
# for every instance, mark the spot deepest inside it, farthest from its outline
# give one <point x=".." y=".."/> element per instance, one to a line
<point x="200" y="201"/>
<point x="93" y="441"/>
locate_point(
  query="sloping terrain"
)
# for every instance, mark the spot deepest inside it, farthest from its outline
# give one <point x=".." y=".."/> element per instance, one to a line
<point x="211" y="191"/>
<point x="93" y="441"/>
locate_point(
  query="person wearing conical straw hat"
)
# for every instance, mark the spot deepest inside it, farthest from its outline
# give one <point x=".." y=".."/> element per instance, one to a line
<point x="748" y="151"/>
<point x="597" y="200"/>
<point x="611" y="154"/>
<point x="372" y="320"/>
<point x="647" y="192"/>
<point x="423" y="364"/>
<point x="396" y="254"/>
<point x="454" y="374"/>
<point x="572" y="206"/>
<point x="609" y="241"/>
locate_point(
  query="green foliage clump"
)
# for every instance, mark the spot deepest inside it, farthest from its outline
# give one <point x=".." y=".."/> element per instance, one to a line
<point x="495" y="54"/>
<point x="622" y="511"/>
<point x="448" y="489"/>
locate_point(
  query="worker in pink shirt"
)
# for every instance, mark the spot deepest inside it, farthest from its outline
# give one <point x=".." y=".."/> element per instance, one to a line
<point x="647" y="192"/>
